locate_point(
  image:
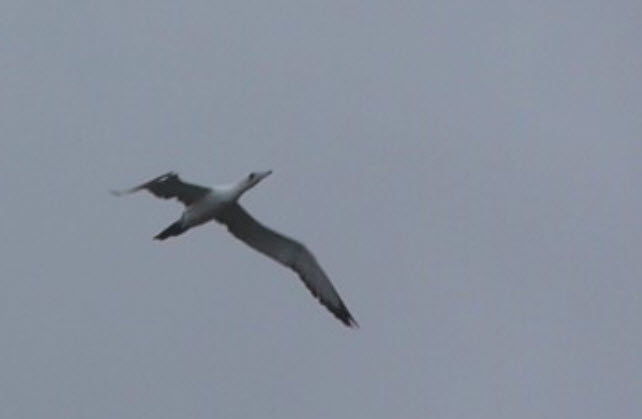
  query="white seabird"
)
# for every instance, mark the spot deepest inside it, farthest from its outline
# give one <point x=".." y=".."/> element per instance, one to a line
<point x="221" y="204"/>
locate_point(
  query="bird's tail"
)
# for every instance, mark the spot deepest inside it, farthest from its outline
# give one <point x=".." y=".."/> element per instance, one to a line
<point x="173" y="230"/>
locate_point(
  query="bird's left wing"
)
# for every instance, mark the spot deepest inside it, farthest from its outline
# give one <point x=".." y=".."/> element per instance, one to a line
<point x="169" y="186"/>
<point x="288" y="252"/>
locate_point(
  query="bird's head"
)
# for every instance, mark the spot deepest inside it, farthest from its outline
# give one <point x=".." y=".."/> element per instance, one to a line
<point x="251" y="180"/>
<point x="255" y="177"/>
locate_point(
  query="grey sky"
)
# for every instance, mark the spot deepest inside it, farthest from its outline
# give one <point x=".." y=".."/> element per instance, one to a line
<point x="468" y="174"/>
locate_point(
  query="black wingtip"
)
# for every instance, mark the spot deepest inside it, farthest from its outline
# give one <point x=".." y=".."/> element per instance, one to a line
<point x="173" y="230"/>
<point x="352" y="323"/>
<point x="346" y="318"/>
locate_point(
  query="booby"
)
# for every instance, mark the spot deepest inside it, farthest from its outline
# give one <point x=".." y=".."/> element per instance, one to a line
<point x="203" y="204"/>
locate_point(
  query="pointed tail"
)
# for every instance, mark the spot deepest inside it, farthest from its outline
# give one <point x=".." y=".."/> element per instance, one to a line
<point x="173" y="230"/>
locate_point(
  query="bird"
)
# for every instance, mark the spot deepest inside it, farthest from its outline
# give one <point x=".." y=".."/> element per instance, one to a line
<point x="204" y="204"/>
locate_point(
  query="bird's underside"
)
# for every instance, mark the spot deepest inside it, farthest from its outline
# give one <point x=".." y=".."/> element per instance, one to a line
<point x="243" y="226"/>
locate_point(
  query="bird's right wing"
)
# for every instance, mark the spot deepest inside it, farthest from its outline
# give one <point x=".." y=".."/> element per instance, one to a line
<point x="288" y="252"/>
<point x="169" y="186"/>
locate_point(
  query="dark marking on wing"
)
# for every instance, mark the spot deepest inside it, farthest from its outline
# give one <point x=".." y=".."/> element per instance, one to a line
<point x="169" y="186"/>
<point x="290" y="253"/>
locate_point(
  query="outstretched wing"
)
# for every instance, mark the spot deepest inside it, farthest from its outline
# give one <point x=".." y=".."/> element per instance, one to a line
<point x="169" y="186"/>
<point x="288" y="252"/>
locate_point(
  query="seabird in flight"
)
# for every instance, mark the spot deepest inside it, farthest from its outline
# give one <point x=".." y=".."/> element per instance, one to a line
<point x="204" y="204"/>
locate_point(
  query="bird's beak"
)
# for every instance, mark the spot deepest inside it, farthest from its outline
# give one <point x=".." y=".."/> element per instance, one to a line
<point x="263" y="175"/>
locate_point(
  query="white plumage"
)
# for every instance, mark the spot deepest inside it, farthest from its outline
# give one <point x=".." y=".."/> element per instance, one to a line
<point x="204" y="204"/>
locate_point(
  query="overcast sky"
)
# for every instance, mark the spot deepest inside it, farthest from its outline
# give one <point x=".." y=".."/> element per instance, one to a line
<point x="468" y="174"/>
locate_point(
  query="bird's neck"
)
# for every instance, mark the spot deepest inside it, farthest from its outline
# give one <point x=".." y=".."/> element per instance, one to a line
<point x="235" y="191"/>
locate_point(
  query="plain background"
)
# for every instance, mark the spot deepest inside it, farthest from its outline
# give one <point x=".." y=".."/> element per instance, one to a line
<point x="468" y="173"/>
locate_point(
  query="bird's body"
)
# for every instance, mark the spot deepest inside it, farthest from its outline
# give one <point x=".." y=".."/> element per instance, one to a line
<point x="204" y="204"/>
<point x="205" y="209"/>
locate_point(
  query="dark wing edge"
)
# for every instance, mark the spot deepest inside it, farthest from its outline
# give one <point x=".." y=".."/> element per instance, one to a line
<point x="339" y="310"/>
<point x="290" y="253"/>
<point x="169" y="186"/>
